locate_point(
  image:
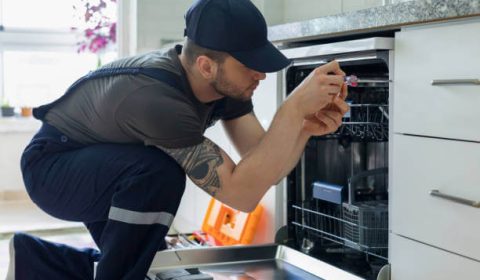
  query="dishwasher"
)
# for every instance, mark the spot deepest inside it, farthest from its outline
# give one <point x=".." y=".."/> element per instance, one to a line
<point x="335" y="201"/>
<point x="337" y="196"/>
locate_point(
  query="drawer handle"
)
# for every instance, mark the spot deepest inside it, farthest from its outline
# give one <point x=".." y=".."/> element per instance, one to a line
<point x="456" y="82"/>
<point x="460" y="200"/>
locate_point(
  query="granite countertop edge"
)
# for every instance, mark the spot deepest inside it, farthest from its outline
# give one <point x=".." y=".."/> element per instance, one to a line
<point x="379" y="18"/>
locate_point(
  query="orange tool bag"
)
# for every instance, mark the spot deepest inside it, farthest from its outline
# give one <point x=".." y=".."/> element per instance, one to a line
<point x="229" y="226"/>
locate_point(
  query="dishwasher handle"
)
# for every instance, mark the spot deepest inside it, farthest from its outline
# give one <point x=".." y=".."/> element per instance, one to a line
<point x="455" y="82"/>
<point x="472" y="203"/>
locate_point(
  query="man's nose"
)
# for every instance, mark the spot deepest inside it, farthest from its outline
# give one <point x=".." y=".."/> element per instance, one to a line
<point x="259" y="75"/>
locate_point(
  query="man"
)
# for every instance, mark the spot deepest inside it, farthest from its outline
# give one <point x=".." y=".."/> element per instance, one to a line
<point x="113" y="152"/>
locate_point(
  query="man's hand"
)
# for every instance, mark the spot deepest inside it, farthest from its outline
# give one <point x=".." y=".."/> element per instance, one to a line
<point x="329" y="118"/>
<point x="318" y="89"/>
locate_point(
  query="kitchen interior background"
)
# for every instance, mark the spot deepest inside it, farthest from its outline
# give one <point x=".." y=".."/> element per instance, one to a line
<point x="41" y="55"/>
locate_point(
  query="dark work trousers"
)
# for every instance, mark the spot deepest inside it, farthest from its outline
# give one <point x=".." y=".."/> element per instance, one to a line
<point x="126" y="194"/>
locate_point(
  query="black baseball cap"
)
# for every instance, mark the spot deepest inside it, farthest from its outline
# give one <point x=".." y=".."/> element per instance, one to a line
<point x="236" y="27"/>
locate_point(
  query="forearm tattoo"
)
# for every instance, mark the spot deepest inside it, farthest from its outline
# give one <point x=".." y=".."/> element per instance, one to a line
<point x="200" y="162"/>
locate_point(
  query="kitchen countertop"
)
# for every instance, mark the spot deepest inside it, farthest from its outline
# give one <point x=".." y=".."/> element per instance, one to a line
<point x="19" y="125"/>
<point x="380" y="18"/>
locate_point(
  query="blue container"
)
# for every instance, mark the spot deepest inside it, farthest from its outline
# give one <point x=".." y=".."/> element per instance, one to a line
<point x="328" y="192"/>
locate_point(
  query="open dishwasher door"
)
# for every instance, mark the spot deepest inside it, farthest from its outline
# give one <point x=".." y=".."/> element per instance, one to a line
<point x="264" y="262"/>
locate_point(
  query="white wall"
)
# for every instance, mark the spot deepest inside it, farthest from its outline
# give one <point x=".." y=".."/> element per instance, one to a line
<point x="15" y="134"/>
<point x="155" y="22"/>
<point x="273" y="11"/>
<point x="353" y="5"/>
<point x="159" y="22"/>
<point x="298" y="10"/>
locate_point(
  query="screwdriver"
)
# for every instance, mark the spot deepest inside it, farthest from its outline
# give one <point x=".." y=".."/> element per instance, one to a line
<point x="353" y="81"/>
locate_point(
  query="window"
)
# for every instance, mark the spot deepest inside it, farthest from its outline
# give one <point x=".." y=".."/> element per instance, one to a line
<point x="45" y="14"/>
<point x="38" y="50"/>
<point x="32" y="78"/>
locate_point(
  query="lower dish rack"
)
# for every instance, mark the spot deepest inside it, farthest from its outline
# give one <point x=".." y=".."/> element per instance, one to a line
<point x="362" y="226"/>
<point x="366" y="226"/>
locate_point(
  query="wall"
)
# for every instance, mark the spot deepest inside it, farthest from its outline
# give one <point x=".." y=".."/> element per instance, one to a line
<point x="273" y="11"/>
<point x="159" y="22"/>
<point x="153" y="23"/>
<point x="298" y="10"/>
<point x="15" y="134"/>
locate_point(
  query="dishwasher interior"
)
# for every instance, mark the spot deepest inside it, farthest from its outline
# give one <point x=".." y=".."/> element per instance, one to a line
<point x="337" y="196"/>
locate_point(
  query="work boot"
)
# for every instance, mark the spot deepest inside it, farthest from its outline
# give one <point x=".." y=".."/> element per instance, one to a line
<point x="33" y="258"/>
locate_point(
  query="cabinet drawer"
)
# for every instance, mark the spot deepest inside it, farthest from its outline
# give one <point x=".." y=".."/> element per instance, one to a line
<point x="442" y="51"/>
<point x="412" y="260"/>
<point x="421" y="164"/>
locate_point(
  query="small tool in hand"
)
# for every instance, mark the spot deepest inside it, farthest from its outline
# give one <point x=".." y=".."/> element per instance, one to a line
<point x="353" y="81"/>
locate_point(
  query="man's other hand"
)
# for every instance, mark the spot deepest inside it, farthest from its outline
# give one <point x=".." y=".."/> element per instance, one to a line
<point x="317" y="90"/>
<point x="329" y="118"/>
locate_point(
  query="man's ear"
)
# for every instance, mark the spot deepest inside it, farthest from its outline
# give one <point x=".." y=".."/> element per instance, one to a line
<point x="207" y="67"/>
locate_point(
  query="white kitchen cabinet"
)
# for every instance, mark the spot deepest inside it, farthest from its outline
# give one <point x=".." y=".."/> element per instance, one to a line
<point x="423" y="164"/>
<point x="412" y="260"/>
<point x="448" y="51"/>
<point x="435" y="145"/>
<point x="195" y="201"/>
<point x="265" y="104"/>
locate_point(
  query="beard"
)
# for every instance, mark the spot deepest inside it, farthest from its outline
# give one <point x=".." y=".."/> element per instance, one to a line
<point x="226" y="88"/>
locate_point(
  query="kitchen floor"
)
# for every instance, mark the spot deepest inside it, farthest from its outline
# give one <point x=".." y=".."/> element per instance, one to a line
<point x="25" y="216"/>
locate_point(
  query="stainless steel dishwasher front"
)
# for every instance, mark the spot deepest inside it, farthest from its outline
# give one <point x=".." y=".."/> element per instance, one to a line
<point x="265" y="262"/>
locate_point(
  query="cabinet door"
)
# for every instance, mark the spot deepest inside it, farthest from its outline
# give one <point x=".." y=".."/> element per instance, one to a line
<point x="195" y="201"/>
<point x="447" y="51"/>
<point x="421" y="165"/>
<point x="412" y="260"/>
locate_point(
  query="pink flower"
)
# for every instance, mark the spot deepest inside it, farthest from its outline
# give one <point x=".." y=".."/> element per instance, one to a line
<point x="88" y="32"/>
<point x="113" y="32"/>
<point x="97" y="44"/>
<point x="88" y="15"/>
<point x="82" y="47"/>
<point x="101" y="30"/>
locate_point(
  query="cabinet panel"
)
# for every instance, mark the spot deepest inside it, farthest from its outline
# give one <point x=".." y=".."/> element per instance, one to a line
<point x="443" y="51"/>
<point x="422" y="164"/>
<point x="412" y="260"/>
<point x="195" y="201"/>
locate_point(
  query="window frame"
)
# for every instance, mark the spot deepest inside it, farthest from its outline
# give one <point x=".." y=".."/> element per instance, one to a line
<point x="37" y="39"/>
<point x="20" y="39"/>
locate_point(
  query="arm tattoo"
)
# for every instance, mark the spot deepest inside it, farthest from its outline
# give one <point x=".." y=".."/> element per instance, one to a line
<point x="200" y="163"/>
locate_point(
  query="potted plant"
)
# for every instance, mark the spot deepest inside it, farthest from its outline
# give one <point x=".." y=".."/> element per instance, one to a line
<point x="7" y="110"/>
<point x="26" y="111"/>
